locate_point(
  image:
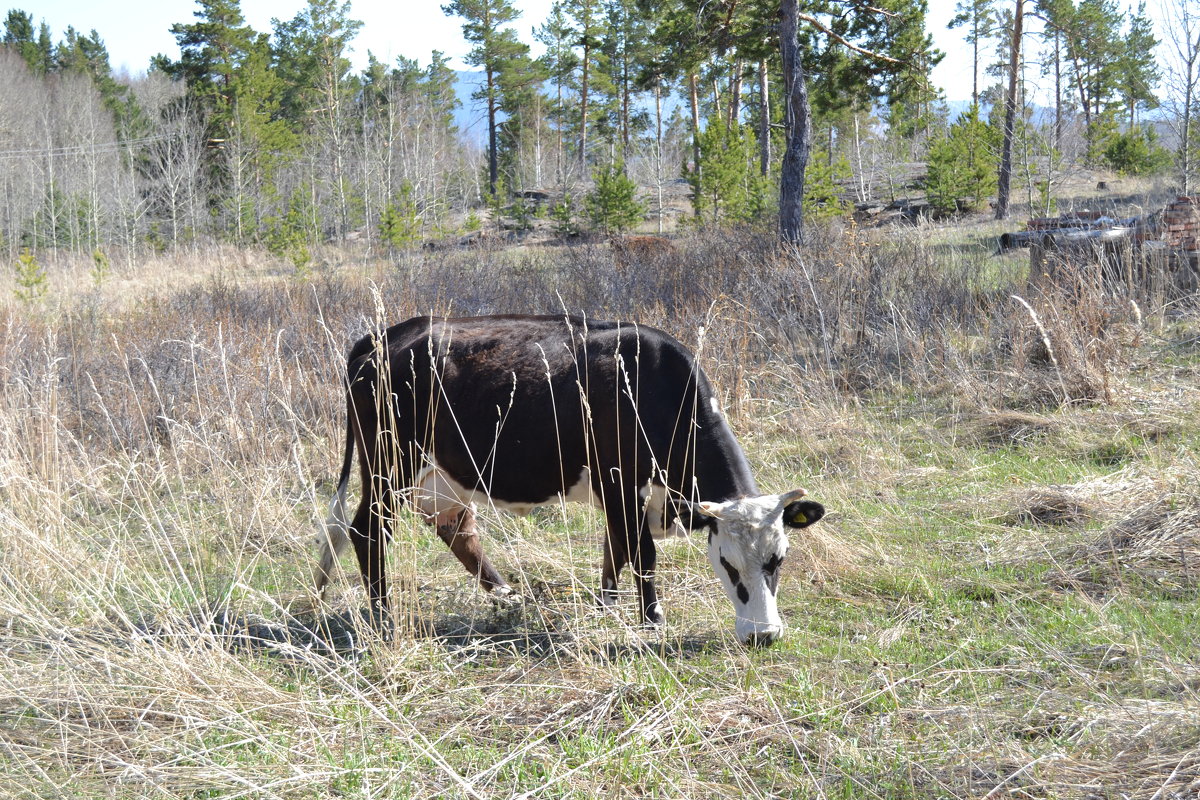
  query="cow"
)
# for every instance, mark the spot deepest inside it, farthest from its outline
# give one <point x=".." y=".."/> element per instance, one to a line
<point x="522" y="411"/>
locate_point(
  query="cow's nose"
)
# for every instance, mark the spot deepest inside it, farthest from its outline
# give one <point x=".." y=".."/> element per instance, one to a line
<point x="764" y="638"/>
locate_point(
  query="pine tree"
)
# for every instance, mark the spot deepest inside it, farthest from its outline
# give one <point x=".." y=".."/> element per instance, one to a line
<point x="560" y="63"/>
<point x="259" y="140"/>
<point x="519" y="137"/>
<point x="962" y="165"/>
<point x="589" y="24"/>
<point x="979" y="19"/>
<point x="624" y="46"/>
<point x="494" y="48"/>
<point x="612" y="205"/>
<point x="18" y="34"/>
<point x="438" y="89"/>
<point x="1091" y="39"/>
<point x="1137" y="70"/>
<point x="212" y="50"/>
<point x="311" y="52"/>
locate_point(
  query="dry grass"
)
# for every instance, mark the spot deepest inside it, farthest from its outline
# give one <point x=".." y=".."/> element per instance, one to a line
<point x="168" y="440"/>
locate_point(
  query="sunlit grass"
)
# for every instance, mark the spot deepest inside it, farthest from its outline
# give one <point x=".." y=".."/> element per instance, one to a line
<point x="164" y="463"/>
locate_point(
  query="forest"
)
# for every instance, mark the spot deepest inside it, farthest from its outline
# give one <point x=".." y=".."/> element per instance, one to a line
<point x="271" y="138"/>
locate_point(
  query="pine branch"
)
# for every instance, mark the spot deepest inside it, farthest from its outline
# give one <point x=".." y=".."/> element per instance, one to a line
<point x="842" y="40"/>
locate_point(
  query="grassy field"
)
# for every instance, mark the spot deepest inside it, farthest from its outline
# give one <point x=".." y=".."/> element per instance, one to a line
<point x="1002" y="601"/>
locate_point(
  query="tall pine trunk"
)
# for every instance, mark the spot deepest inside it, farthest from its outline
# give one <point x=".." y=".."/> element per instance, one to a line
<point x="1010" y="114"/>
<point x="694" y="99"/>
<point x="493" y="160"/>
<point x="583" y="107"/>
<point x="764" y="120"/>
<point x="797" y="125"/>
<point x="735" y="94"/>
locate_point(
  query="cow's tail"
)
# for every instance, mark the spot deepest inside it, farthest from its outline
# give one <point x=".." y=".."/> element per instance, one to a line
<point x="336" y="534"/>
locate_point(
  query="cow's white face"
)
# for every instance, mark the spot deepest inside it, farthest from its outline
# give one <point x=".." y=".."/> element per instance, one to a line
<point x="747" y="545"/>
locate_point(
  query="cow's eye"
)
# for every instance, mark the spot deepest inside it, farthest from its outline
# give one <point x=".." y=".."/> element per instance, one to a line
<point x="772" y="564"/>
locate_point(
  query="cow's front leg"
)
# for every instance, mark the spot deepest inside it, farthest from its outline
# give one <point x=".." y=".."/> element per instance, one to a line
<point x="457" y="530"/>
<point x="644" y="559"/>
<point x="629" y="542"/>
<point x="615" y="558"/>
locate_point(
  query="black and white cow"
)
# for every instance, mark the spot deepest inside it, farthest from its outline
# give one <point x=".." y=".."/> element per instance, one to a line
<point x="522" y="411"/>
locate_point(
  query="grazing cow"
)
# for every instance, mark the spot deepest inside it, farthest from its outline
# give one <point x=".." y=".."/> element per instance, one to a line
<point x="522" y="411"/>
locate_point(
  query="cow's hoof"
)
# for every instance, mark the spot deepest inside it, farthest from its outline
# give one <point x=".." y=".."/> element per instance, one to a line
<point x="505" y="597"/>
<point x="380" y="622"/>
<point x="653" y="617"/>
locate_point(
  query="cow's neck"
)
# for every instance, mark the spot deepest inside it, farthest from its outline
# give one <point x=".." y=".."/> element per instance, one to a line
<point x="722" y="471"/>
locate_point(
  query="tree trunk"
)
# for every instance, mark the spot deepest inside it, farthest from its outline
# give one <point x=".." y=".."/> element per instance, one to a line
<point x="764" y="120"/>
<point x="975" y="61"/>
<point x="694" y="99"/>
<point x="735" y="94"/>
<point x="1010" y="114"/>
<point x="583" y="108"/>
<point x="493" y="161"/>
<point x="797" y="125"/>
<point x="626" y="93"/>
<point x="1058" y="97"/>
<point x="1186" y="146"/>
<point x="559" y="172"/>
<point x="658" y="155"/>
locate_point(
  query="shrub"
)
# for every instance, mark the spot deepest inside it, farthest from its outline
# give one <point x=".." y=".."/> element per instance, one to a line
<point x="288" y="236"/>
<point x="31" y="278"/>
<point x="101" y="266"/>
<point x="1135" y="152"/>
<point x="400" y="222"/>
<point x="562" y="214"/>
<point x="821" y="195"/>
<point x="728" y="185"/>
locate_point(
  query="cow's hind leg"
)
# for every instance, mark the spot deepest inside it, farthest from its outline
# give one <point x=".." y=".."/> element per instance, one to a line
<point x="369" y="535"/>
<point x="381" y="469"/>
<point x="332" y="541"/>
<point x="457" y="530"/>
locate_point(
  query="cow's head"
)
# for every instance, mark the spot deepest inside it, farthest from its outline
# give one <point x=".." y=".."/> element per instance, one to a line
<point x="747" y="544"/>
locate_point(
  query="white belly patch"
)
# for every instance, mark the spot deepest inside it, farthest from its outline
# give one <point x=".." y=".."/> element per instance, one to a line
<point x="435" y="493"/>
<point x="654" y="501"/>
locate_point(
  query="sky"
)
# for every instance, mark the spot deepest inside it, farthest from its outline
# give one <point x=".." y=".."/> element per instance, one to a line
<point x="135" y="31"/>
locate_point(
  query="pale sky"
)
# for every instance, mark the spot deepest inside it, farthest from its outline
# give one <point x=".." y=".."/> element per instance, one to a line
<point x="135" y="31"/>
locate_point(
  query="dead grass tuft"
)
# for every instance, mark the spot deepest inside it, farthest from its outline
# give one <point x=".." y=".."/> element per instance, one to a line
<point x="1051" y="505"/>
<point x="1151" y="541"/>
<point x="1012" y="428"/>
<point x="1157" y="545"/>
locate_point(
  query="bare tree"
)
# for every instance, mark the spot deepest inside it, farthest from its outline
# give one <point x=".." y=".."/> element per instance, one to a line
<point x="173" y="169"/>
<point x="1181" y="42"/>
<point x="20" y="181"/>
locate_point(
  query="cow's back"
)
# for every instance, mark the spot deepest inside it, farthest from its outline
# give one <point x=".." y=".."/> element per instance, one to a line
<point x="525" y="407"/>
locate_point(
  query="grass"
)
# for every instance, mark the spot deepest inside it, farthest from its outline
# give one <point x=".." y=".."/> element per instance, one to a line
<point x="1002" y="601"/>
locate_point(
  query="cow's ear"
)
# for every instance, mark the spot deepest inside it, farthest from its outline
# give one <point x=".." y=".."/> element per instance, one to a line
<point x="802" y="513"/>
<point x="695" y="516"/>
